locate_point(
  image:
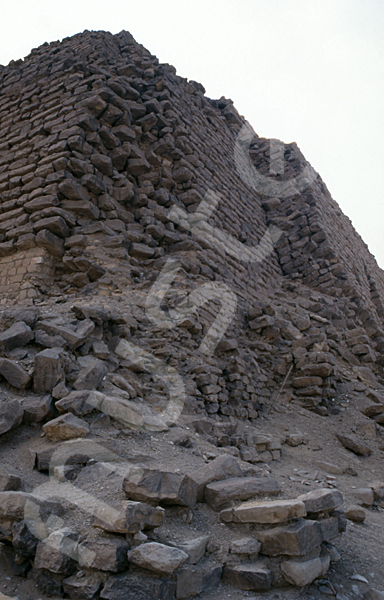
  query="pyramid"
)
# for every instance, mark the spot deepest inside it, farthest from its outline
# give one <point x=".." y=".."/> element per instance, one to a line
<point x="178" y="296"/>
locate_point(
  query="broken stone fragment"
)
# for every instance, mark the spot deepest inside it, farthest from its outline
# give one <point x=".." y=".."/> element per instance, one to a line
<point x="11" y="415"/>
<point x="253" y="576"/>
<point x="83" y="402"/>
<point x="303" y="573"/>
<point x="321" y="500"/>
<point x="276" y="511"/>
<point x="16" y="336"/>
<point x="157" y="557"/>
<point x="156" y="486"/>
<point x="38" y="409"/>
<point x="14" y="374"/>
<point x="100" y="350"/>
<point x="66" y="427"/>
<point x="82" y="587"/>
<point x="9" y="482"/>
<point x="220" y="493"/>
<point x="58" y="552"/>
<point x="90" y="377"/>
<point x="365" y="496"/>
<point x="73" y="337"/>
<point x="135" y="587"/>
<point x="105" y="554"/>
<point x="23" y="540"/>
<point x="128" y="517"/>
<point x="48" y="370"/>
<point x="355" y="445"/>
<point x="194" y="548"/>
<point x="51" y="242"/>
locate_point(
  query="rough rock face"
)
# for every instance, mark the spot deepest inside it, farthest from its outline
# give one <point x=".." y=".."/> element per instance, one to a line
<point x="168" y="277"/>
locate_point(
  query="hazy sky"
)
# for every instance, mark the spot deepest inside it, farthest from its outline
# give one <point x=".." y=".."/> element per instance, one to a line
<point x="310" y="71"/>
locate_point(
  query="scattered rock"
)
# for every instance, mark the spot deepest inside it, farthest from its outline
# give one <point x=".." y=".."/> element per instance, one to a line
<point x="355" y="445"/>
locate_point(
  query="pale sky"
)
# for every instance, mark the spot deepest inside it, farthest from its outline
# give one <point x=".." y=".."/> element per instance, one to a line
<point x="309" y="71"/>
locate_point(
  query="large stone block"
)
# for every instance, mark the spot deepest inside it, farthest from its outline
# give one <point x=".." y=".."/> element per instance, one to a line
<point x="155" y="486"/>
<point x="295" y="540"/>
<point x="276" y="511"/>
<point x="156" y="557"/>
<point x="128" y="517"/>
<point x="220" y="493"/>
<point x="321" y="500"/>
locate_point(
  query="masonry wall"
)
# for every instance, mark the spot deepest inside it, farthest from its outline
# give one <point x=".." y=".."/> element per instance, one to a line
<point x="98" y="141"/>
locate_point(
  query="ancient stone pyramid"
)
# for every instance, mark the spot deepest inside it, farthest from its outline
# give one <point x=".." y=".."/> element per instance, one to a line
<point x="147" y="233"/>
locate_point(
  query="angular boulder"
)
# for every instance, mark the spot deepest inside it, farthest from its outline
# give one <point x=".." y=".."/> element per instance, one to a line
<point x="276" y="511"/>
